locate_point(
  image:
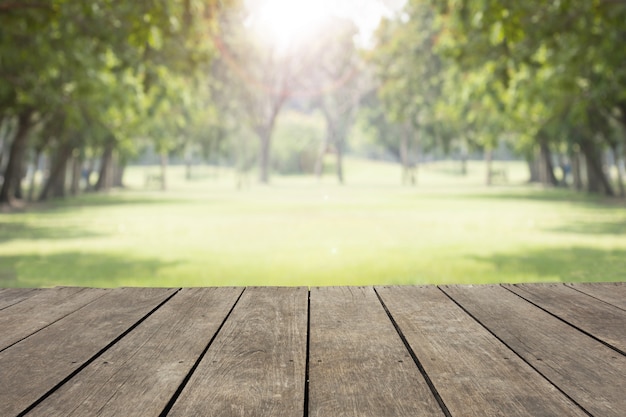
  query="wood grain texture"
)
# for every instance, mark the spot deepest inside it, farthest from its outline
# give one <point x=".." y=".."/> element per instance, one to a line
<point x="490" y="355"/>
<point x="604" y="321"/>
<point x="610" y="292"/>
<point x="11" y="296"/>
<point x="45" y="307"/>
<point x="589" y="372"/>
<point x="37" y="364"/>
<point x="139" y="374"/>
<point x="256" y="364"/>
<point x="358" y="363"/>
<point x="475" y="374"/>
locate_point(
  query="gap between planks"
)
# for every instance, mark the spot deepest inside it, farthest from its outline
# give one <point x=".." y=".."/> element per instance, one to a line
<point x="306" y="399"/>
<point x="581" y="367"/>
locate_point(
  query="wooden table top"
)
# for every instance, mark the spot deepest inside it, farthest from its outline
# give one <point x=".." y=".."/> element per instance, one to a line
<point x="494" y="350"/>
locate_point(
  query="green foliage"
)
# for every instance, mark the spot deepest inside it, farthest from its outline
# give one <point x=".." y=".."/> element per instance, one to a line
<point x="376" y="135"/>
<point x="297" y="141"/>
<point x="102" y="72"/>
<point x="546" y="64"/>
<point x="101" y="80"/>
<point x="415" y="84"/>
<point x="544" y="75"/>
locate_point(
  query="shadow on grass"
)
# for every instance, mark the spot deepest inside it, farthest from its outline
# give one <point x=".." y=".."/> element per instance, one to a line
<point x="552" y="195"/>
<point x="103" y="200"/>
<point x="77" y="269"/>
<point x="576" y="264"/>
<point x="615" y="228"/>
<point x="70" y="204"/>
<point x="22" y="230"/>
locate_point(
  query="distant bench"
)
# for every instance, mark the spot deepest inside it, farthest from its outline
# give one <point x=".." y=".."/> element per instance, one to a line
<point x="499" y="174"/>
<point x="156" y="179"/>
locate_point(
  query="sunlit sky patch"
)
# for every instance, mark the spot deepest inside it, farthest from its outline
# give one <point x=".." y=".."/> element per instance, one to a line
<point x="285" y="22"/>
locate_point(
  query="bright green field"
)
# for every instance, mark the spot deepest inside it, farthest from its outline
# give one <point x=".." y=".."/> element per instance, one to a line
<point x="448" y="229"/>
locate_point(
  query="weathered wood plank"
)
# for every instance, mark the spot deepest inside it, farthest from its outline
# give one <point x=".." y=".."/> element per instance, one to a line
<point x="604" y="321"/>
<point x="359" y="365"/>
<point x="139" y="374"/>
<point x="11" y="296"/>
<point x="45" y="307"/>
<point x="475" y="374"/>
<point x="610" y="292"/>
<point x="256" y="364"/>
<point x="37" y="364"/>
<point x="588" y="371"/>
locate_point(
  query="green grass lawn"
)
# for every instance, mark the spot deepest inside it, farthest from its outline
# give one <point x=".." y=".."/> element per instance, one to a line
<point x="204" y="232"/>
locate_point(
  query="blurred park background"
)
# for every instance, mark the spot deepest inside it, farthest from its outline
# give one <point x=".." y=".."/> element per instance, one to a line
<point x="276" y="142"/>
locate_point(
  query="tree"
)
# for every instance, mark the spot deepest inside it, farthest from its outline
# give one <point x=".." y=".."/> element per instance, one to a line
<point x="57" y="59"/>
<point x="410" y="75"/>
<point x="338" y="80"/>
<point x="557" y="57"/>
<point x="319" y="72"/>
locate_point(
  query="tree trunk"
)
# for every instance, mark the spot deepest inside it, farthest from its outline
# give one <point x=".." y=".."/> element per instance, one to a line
<point x="76" y="173"/>
<point x="55" y="184"/>
<point x="597" y="179"/>
<point x="87" y="175"/>
<point x="340" y="144"/>
<point x="13" y="173"/>
<point x="118" y="178"/>
<point x="163" y="171"/>
<point x="409" y="159"/>
<point x="404" y="155"/>
<point x="188" y="162"/>
<point x="464" y="156"/>
<point x="622" y="165"/>
<point x="415" y="163"/>
<point x="8" y="126"/>
<point x="533" y="169"/>
<point x="104" y="177"/>
<point x="188" y="169"/>
<point x="265" y="135"/>
<point x="488" y="163"/>
<point x="332" y="140"/>
<point x="594" y="184"/>
<point x="564" y="166"/>
<point x="620" y="178"/>
<point x="19" y="192"/>
<point x="319" y="162"/>
<point x="547" y="168"/>
<point x="577" y="171"/>
<point x="31" y="187"/>
<point x="2" y="152"/>
<point x="264" y="156"/>
<point x="59" y="185"/>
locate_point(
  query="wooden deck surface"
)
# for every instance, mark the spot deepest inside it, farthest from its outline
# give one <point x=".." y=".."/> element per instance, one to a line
<point x="496" y="350"/>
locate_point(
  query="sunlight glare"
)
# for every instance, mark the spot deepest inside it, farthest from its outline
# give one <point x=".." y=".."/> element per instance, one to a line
<point x="289" y="23"/>
<point x="286" y="23"/>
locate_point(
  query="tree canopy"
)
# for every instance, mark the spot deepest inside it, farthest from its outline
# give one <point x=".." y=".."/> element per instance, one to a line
<point x="95" y="75"/>
<point x="90" y="84"/>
